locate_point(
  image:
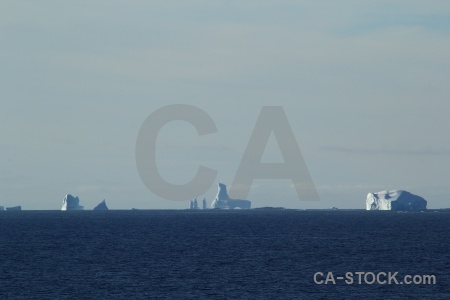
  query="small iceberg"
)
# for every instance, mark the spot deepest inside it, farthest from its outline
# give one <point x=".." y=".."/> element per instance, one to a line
<point x="101" y="206"/>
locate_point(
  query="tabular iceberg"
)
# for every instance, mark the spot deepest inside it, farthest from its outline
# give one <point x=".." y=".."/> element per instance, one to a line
<point x="71" y="203"/>
<point x="101" y="206"/>
<point x="223" y="201"/>
<point x="14" y="208"/>
<point x="395" y="200"/>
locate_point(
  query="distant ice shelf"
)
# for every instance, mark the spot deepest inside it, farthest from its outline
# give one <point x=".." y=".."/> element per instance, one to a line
<point x="14" y="208"/>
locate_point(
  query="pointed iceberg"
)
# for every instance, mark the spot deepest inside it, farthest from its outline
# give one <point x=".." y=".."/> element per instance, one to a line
<point x="195" y="204"/>
<point x="101" y="206"/>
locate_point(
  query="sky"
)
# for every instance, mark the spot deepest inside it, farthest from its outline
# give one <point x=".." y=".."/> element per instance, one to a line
<point x="364" y="84"/>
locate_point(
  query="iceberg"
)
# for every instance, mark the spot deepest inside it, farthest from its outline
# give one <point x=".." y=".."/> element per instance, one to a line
<point x="223" y="201"/>
<point x="193" y="204"/>
<point x="395" y="200"/>
<point x="14" y="208"/>
<point x="101" y="206"/>
<point x="71" y="203"/>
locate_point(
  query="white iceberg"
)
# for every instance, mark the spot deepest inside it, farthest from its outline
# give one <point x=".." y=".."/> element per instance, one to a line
<point x="395" y="200"/>
<point x="71" y="203"/>
<point x="223" y="201"/>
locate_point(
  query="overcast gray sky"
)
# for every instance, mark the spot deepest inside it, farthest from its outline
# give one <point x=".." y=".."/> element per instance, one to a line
<point x="365" y="85"/>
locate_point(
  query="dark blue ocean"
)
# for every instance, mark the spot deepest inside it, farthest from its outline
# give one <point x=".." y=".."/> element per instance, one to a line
<point x="239" y="254"/>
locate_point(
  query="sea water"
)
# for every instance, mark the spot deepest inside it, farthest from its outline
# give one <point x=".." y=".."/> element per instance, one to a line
<point x="218" y="254"/>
